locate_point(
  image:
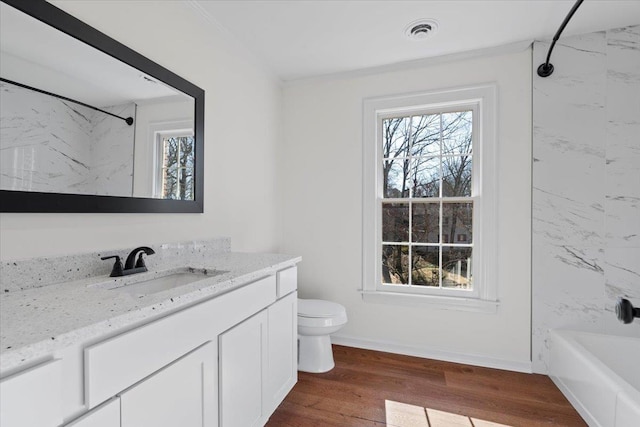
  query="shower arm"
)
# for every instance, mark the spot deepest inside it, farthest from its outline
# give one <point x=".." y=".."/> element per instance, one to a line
<point x="127" y="120"/>
<point x="546" y="69"/>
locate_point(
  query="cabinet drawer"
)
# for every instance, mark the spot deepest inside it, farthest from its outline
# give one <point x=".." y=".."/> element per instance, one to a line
<point x="32" y="397"/>
<point x="287" y="281"/>
<point x="116" y="364"/>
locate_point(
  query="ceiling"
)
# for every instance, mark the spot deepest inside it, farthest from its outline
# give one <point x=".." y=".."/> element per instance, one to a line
<point x="37" y="55"/>
<point x="298" y="39"/>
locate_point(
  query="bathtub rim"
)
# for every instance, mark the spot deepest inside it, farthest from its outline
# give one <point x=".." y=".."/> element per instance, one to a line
<point x="618" y="385"/>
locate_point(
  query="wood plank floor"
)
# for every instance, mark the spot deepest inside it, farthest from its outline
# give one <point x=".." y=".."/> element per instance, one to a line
<point x="370" y="388"/>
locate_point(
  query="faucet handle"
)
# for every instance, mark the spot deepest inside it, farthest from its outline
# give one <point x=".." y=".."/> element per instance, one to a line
<point x="140" y="262"/>
<point x="117" y="269"/>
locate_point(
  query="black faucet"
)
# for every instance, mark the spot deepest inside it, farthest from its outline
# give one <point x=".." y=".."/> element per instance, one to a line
<point x="129" y="267"/>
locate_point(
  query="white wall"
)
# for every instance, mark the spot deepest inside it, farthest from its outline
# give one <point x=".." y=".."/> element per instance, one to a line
<point x="240" y="156"/>
<point x="321" y="181"/>
<point x="586" y="185"/>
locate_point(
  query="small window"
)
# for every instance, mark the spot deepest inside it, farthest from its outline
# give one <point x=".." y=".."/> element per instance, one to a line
<point x="175" y="165"/>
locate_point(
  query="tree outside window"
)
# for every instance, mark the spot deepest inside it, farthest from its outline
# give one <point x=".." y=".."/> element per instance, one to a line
<point x="427" y="202"/>
<point x="176" y="167"/>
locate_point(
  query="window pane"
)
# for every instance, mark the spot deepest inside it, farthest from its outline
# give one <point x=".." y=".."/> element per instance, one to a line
<point x="456" y="132"/>
<point x="425" y="270"/>
<point x="395" y="222"/>
<point x="456" y="267"/>
<point x="169" y="183"/>
<point x="426" y="222"/>
<point x="395" y="183"/>
<point x="396" y="133"/>
<point x="456" y="176"/>
<point x="170" y="152"/>
<point x="395" y="264"/>
<point x="425" y="177"/>
<point x="186" y="151"/>
<point x="457" y="222"/>
<point x="425" y="135"/>
<point x="186" y="184"/>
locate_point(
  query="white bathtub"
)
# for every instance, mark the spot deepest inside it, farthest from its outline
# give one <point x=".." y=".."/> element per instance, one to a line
<point x="599" y="374"/>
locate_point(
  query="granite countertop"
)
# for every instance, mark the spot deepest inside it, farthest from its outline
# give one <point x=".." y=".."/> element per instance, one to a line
<point x="37" y="322"/>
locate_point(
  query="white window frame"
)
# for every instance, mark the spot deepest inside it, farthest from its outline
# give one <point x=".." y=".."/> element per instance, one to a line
<point x="482" y="100"/>
<point x="159" y="131"/>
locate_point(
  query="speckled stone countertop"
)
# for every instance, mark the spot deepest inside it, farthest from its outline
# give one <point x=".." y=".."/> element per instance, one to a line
<point x="36" y="322"/>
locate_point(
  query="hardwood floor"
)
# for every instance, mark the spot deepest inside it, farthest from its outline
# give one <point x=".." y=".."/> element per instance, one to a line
<point x="370" y="388"/>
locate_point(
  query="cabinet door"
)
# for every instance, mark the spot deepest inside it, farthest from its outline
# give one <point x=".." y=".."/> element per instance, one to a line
<point x="182" y="394"/>
<point x="32" y="397"/>
<point x="282" y="359"/>
<point x="242" y="372"/>
<point x="105" y="415"/>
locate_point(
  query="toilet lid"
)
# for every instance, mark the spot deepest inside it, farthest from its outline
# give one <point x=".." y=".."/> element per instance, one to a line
<point x="319" y="308"/>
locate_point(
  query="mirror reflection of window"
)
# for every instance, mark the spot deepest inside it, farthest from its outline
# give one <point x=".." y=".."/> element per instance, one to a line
<point x="175" y="165"/>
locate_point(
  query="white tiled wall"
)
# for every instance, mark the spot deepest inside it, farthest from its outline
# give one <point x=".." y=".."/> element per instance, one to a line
<point x="39" y="154"/>
<point x="49" y="144"/>
<point x="112" y="152"/>
<point x="586" y="185"/>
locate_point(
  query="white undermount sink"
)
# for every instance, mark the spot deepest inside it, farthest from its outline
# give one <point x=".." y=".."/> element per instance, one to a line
<point x="161" y="281"/>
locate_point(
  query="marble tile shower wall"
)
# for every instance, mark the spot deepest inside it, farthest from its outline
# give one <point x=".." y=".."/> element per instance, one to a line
<point x="112" y="152"/>
<point x="586" y="185"/>
<point x="39" y="154"/>
<point x="42" y="154"/>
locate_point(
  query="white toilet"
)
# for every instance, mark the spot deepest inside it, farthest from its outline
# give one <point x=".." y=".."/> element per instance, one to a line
<point x="317" y="319"/>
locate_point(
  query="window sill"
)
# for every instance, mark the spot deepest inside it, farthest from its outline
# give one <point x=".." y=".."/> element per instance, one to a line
<point x="437" y="301"/>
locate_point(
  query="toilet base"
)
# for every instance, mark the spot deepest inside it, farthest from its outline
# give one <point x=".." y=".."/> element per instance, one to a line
<point x="315" y="354"/>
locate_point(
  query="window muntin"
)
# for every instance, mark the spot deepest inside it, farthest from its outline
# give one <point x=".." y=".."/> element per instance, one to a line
<point x="426" y="201"/>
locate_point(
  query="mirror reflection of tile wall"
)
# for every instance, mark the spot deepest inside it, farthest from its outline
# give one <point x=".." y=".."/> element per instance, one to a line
<point x="52" y="145"/>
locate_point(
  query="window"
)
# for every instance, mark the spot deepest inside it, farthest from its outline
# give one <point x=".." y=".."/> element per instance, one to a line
<point x="427" y="165"/>
<point x="428" y="212"/>
<point x="174" y="165"/>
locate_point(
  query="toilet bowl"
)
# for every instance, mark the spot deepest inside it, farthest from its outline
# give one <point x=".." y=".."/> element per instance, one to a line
<point x="317" y="319"/>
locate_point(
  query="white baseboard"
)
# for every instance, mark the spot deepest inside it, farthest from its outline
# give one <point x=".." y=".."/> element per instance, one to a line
<point x="429" y="353"/>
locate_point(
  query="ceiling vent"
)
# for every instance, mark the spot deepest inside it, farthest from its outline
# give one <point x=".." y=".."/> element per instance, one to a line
<point x="421" y="29"/>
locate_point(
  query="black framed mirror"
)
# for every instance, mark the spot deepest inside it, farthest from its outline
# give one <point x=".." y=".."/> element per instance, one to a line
<point x="89" y="125"/>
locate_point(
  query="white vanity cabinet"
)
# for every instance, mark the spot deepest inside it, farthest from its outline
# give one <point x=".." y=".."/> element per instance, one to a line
<point x="32" y="397"/>
<point x="282" y="350"/>
<point x="182" y="394"/>
<point x="243" y="352"/>
<point x="258" y="359"/>
<point x="227" y="361"/>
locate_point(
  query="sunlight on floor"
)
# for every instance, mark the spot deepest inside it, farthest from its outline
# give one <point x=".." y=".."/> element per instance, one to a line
<point x="405" y="415"/>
